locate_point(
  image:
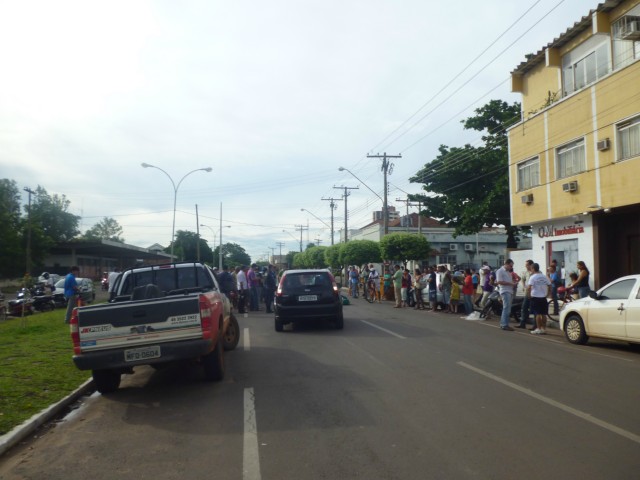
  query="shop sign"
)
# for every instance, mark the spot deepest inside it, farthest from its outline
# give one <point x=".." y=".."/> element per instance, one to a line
<point x="551" y="231"/>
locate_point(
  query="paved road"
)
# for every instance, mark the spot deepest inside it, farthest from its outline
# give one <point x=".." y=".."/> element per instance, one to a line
<point x="398" y="394"/>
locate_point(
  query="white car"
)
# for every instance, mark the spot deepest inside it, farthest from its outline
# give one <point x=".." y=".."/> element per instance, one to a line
<point x="612" y="312"/>
<point x="87" y="291"/>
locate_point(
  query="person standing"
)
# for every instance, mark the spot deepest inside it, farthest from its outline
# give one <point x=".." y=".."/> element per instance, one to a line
<point x="386" y="283"/>
<point x="554" y="278"/>
<point x="468" y="291"/>
<point x="418" y="285"/>
<point x="445" y="286"/>
<point x="506" y="287"/>
<point x="432" y="284"/>
<point x="374" y="277"/>
<point x="241" y="277"/>
<point x="252" y="285"/>
<point x="353" y="281"/>
<point x="397" y="286"/>
<point x="226" y="281"/>
<point x="406" y="286"/>
<point x="582" y="283"/>
<point x="526" y="302"/>
<point x="538" y="288"/>
<point x="111" y="280"/>
<point x="270" y="285"/>
<point x="71" y="292"/>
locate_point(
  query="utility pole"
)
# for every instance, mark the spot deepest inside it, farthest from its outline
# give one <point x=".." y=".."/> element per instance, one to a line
<point x="302" y="228"/>
<point x="318" y="242"/>
<point x="30" y="192"/>
<point x="344" y="196"/>
<point x="333" y="206"/>
<point x="272" y="253"/>
<point x="280" y="245"/>
<point x="406" y="201"/>
<point x="387" y="169"/>
<point x="198" y="236"/>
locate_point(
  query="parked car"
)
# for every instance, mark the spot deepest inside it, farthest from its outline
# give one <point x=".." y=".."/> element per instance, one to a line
<point x="87" y="291"/>
<point x="612" y="312"/>
<point x="304" y="295"/>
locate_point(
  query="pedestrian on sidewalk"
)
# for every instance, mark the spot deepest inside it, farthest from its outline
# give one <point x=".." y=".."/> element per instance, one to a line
<point x="538" y="289"/>
<point x="506" y="287"/>
<point x="397" y="286"/>
<point x="525" y="312"/>
<point x="467" y="291"/>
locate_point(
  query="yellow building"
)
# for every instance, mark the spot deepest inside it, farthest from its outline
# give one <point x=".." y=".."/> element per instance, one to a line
<point x="574" y="158"/>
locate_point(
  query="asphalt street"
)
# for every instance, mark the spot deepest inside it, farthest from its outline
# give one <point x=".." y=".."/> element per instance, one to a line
<point x="397" y="394"/>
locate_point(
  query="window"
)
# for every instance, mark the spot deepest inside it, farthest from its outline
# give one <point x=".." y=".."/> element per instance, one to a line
<point x="629" y="139"/>
<point x="625" y="51"/>
<point x="585" y="64"/>
<point x="450" y="259"/>
<point x="570" y="159"/>
<point x="618" y="291"/>
<point x="528" y="174"/>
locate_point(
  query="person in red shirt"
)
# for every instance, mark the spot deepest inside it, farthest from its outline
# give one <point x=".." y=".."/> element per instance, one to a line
<point x="468" y="291"/>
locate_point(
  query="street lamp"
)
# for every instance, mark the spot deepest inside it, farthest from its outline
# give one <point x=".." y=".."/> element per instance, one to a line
<point x="215" y="234"/>
<point x="385" y="215"/>
<point x="175" y="194"/>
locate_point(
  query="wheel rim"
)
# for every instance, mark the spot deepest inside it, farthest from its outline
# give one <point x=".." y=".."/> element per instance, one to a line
<point x="231" y="334"/>
<point x="574" y="329"/>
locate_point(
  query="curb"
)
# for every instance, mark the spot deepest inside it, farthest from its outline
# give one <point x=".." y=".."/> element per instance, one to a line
<point x="19" y="433"/>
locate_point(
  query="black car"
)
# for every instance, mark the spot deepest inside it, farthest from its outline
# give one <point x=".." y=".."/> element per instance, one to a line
<point x="307" y="295"/>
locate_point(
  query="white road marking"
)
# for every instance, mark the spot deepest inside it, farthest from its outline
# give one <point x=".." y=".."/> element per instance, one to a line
<point x="250" y="453"/>
<point x="246" y="340"/>
<point x="384" y="329"/>
<point x="578" y="413"/>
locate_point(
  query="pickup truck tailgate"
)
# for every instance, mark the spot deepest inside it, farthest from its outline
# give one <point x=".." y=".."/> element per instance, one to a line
<point x="139" y="322"/>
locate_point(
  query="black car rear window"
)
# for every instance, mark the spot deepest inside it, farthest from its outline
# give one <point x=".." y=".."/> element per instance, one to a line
<point x="295" y="281"/>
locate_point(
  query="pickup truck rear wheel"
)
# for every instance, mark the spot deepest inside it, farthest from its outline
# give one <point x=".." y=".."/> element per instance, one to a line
<point x="213" y="363"/>
<point x="232" y="335"/>
<point x="106" y="381"/>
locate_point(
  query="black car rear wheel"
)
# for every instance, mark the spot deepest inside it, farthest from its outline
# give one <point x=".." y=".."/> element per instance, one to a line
<point x="278" y="324"/>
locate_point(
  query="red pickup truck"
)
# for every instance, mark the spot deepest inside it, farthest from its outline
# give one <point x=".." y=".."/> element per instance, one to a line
<point x="160" y="314"/>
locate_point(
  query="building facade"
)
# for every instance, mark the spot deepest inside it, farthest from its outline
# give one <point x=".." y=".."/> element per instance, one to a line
<point x="574" y="158"/>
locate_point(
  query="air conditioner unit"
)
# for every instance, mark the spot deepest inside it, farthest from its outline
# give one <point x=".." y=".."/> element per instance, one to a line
<point x="604" y="144"/>
<point x="631" y="29"/>
<point x="528" y="199"/>
<point x="468" y="247"/>
<point x="570" y="187"/>
<point x="453" y="246"/>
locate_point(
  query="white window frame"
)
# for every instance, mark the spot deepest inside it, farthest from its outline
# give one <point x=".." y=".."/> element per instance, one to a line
<point x="586" y="64"/>
<point x="528" y="174"/>
<point x="571" y="159"/>
<point x="628" y="138"/>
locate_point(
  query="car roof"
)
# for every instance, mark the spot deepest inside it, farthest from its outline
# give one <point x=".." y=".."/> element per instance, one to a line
<point x="308" y="270"/>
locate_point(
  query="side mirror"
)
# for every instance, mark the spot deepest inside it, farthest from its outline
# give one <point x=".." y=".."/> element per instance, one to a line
<point x="593" y="294"/>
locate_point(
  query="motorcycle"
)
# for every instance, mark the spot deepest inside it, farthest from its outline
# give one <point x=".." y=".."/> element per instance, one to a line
<point x="494" y="306"/>
<point x="41" y="300"/>
<point x="22" y="305"/>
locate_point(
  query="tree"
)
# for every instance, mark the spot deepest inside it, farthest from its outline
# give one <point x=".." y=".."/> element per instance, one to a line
<point x="404" y="247"/>
<point x="51" y="214"/>
<point x="468" y="187"/>
<point x="358" y="252"/>
<point x="105" y="229"/>
<point x="12" y="253"/>
<point x="186" y="247"/>
<point x="312" y="257"/>
<point x="233" y="255"/>
<point x="332" y="256"/>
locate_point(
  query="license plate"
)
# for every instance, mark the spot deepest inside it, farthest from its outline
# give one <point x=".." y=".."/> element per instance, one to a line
<point x="307" y="298"/>
<point x="144" y="353"/>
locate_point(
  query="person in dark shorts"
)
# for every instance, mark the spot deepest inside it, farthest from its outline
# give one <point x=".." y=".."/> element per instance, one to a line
<point x="538" y="289"/>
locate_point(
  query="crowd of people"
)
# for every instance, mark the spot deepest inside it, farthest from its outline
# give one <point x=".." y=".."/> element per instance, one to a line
<point x="248" y="286"/>
<point x="470" y="289"/>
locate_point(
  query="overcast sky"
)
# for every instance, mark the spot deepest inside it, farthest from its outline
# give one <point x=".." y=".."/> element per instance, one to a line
<point x="273" y="96"/>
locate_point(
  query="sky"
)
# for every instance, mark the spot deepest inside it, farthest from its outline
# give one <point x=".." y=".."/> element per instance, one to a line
<point x="274" y="96"/>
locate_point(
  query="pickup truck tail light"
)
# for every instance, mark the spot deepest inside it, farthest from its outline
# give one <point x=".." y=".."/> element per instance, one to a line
<point x="75" y="333"/>
<point x="206" y="320"/>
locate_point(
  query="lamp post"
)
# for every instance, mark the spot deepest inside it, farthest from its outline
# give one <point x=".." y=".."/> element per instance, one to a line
<point x="385" y="215"/>
<point x="314" y="215"/>
<point x="215" y="235"/>
<point x="175" y="194"/>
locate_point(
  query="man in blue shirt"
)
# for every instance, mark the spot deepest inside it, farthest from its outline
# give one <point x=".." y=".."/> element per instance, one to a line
<point x="71" y="291"/>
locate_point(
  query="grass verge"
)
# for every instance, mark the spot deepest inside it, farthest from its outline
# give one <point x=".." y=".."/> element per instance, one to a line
<point x="37" y="370"/>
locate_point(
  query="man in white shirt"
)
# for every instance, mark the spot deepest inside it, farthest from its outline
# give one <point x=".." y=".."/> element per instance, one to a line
<point x="538" y="288"/>
<point x="506" y="287"/>
<point x="374" y="277"/>
<point x="241" y="278"/>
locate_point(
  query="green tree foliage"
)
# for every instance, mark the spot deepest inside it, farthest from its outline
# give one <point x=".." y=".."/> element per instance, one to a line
<point x="404" y="247"/>
<point x="312" y="257"/>
<point x="468" y="187"/>
<point x="105" y="229"/>
<point x="332" y="256"/>
<point x="51" y="214"/>
<point x="186" y="247"/>
<point x="12" y="253"/>
<point x="233" y="255"/>
<point x="358" y="252"/>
